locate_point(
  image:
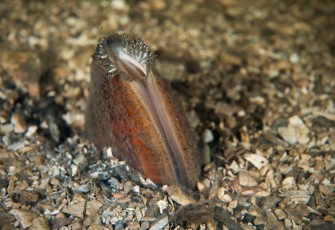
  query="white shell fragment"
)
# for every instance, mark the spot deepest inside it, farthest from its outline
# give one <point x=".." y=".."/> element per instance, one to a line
<point x="288" y="134"/>
<point x="296" y="132"/>
<point x="257" y="160"/>
<point x="162" y="204"/>
<point x="208" y="136"/>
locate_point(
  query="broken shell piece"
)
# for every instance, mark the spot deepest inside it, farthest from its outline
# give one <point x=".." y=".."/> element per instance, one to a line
<point x="257" y="160"/>
<point x="296" y="132"/>
<point x="288" y="134"/>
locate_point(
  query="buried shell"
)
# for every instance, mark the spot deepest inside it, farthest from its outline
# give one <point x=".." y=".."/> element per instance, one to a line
<point x="134" y="110"/>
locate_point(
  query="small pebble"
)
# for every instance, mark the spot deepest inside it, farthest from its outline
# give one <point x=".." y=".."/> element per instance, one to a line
<point x="19" y="123"/>
<point x="92" y="207"/>
<point x="16" y="146"/>
<point x="160" y="224"/>
<point x="76" y="209"/>
<point x="294" y="58"/>
<point x="6" y="128"/>
<point x="31" y="131"/>
<point x="245" y="179"/>
<point x="24" y="217"/>
<point x="208" y="136"/>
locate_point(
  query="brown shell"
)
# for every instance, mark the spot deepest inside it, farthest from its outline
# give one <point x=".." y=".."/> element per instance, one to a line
<point x="117" y="117"/>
